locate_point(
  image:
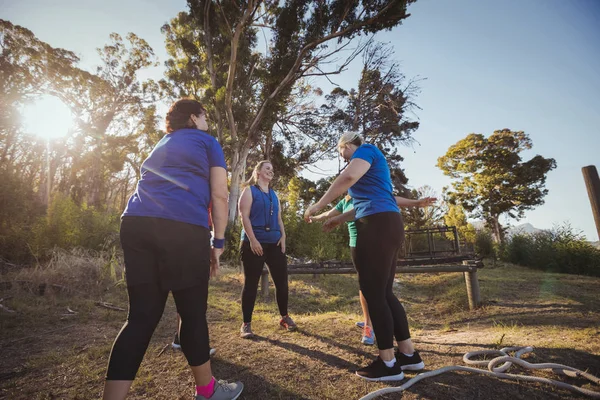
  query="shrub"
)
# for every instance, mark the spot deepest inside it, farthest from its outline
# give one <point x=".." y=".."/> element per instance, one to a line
<point x="484" y="244"/>
<point x="559" y="250"/>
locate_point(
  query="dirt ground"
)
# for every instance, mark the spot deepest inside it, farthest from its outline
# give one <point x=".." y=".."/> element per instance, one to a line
<point x="56" y="345"/>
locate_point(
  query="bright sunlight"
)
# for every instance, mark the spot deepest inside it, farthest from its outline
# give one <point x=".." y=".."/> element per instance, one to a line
<point x="48" y="118"/>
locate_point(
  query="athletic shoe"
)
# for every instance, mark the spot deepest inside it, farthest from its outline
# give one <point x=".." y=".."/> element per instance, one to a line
<point x="246" y="331"/>
<point x="177" y="346"/>
<point x="368" y="337"/>
<point x="378" y="371"/>
<point x="360" y="324"/>
<point x="412" y="363"/>
<point x="288" y="323"/>
<point x="224" y="391"/>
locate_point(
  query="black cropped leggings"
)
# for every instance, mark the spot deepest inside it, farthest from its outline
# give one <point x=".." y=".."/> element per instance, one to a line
<point x="146" y="306"/>
<point x="253" y="265"/>
<point x="162" y="256"/>
<point x="380" y="237"/>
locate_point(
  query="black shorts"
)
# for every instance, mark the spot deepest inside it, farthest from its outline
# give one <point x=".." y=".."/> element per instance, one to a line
<point x="174" y="254"/>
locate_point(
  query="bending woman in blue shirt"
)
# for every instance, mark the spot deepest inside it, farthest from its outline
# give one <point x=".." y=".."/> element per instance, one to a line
<point x="380" y="237"/>
<point x="263" y="242"/>
<point x="335" y="217"/>
<point x="166" y="247"/>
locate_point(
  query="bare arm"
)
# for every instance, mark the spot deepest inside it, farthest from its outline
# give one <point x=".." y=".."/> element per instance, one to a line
<point x="326" y="215"/>
<point x="219" y="197"/>
<point x="355" y="170"/>
<point x="245" y="205"/>
<point x="332" y="223"/>
<point x="424" y="202"/>
<point x="281" y="241"/>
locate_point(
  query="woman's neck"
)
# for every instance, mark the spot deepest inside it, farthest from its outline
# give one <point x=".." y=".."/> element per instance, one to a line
<point x="263" y="185"/>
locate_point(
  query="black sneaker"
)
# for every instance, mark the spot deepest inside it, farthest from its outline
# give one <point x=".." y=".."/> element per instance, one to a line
<point x="412" y="363"/>
<point x="378" y="371"/>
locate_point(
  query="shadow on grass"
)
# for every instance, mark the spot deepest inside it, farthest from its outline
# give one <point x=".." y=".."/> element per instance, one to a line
<point x="330" y="359"/>
<point x="255" y="386"/>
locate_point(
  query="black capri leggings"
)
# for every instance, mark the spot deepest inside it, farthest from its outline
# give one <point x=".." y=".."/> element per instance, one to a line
<point x="162" y="256"/>
<point x="253" y="265"/>
<point x="380" y="237"/>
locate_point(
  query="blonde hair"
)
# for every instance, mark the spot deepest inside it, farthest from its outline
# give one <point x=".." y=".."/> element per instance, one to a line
<point x="350" y="138"/>
<point x="254" y="178"/>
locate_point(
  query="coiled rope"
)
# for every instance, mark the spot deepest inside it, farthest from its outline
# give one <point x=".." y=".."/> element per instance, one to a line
<point x="498" y="371"/>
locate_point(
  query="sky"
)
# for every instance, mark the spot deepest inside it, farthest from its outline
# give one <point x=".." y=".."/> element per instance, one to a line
<point x="528" y="65"/>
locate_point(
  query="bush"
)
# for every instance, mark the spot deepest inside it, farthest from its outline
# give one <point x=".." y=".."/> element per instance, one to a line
<point x="484" y="244"/>
<point x="558" y="250"/>
<point x="69" y="226"/>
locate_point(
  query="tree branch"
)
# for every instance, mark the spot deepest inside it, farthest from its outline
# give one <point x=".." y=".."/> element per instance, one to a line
<point x="289" y="77"/>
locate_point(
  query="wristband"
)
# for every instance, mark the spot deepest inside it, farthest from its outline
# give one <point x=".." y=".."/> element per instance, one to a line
<point x="218" y="243"/>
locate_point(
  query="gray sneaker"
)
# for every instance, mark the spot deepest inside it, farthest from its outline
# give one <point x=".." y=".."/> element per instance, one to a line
<point x="246" y="331"/>
<point x="224" y="391"/>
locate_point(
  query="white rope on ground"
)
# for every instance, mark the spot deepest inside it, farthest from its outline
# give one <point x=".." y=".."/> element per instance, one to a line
<point x="498" y="371"/>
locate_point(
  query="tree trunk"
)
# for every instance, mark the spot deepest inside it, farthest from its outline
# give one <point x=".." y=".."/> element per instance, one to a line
<point x="237" y="173"/>
<point x="497" y="229"/>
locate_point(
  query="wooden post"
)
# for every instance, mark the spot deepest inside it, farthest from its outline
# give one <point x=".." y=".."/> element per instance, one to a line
<point x="592" y="183"/>
<point x="472" y="289"/>
<point x="455" y="242"/>
<point x="264" y="284"/>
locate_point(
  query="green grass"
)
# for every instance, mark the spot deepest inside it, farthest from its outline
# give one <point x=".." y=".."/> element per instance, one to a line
<point x="67" y="354"/>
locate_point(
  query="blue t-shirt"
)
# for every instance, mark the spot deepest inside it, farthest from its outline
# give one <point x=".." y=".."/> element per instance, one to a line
<point x="264" y="216"/>
<point x="372" y="193"/>
<point x="175" y="178"/>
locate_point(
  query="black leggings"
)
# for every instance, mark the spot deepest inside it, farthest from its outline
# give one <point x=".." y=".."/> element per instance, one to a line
<point x="253" y="265"/>
<point x="162" y="256"/>
<point x="146" y="306"/>
<point x="380" y="237"/>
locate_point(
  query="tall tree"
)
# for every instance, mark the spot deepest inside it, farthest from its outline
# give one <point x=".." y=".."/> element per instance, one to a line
<point x="456" y="216"/>
<point x="108" y="107"/>
<point x="492" y="180"/>
<point x="249" y="89"/>
<point x="379" y="108"/>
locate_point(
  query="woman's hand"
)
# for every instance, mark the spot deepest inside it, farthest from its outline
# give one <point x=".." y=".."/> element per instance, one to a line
<point x="215" y="255"/>
<point x="332" y="223"/>
<point x="427" y="201"/>
<point x="256" y="247"/>
<point x="316" y="218"/>
<point x="310" y="211"/>
<point x="281" y="243"/>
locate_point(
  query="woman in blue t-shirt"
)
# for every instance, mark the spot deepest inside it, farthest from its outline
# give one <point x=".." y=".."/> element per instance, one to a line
<point x="166" y="248"/>
<point x="335" y="217"/>
<point x="263" y="242"/>
<point x="379" y="240"/>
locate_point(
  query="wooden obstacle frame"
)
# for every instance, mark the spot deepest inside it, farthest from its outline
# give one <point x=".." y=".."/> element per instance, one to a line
<point x="427" y="250"/>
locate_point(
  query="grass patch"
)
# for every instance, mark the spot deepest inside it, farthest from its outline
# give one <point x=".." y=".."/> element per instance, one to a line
<point x="43" y="345"/>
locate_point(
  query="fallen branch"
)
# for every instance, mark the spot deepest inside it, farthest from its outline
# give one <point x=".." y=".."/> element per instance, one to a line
<point x="3" y="307"/>
<point x="109" y="306"/>
<point x="163" y="350"/>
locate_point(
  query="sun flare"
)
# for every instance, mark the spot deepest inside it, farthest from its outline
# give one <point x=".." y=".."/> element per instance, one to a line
<point x="48" y="118"/>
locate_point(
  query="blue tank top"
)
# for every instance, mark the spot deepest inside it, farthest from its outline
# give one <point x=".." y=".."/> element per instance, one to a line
<point x="264" y="216"/>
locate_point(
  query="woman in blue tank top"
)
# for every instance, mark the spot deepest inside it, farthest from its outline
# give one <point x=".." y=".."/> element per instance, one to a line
<point x="263" y="242"/>
<point x="380" y="236"/>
